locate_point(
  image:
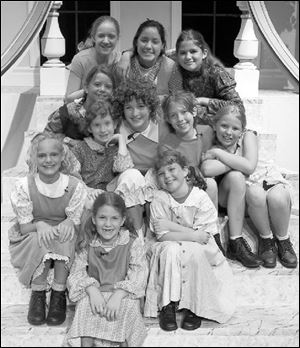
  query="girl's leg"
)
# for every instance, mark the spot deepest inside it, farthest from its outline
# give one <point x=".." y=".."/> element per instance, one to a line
<point x="58" y="302"/>
<point x="232" y="191"/>
<point x="135" y="213"/>
<point x="257" y="207"/>
<point x="37" y="305"/>
<point x="279" y="202"/>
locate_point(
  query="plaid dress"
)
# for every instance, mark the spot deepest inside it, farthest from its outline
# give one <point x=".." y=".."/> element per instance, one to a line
<point x="130" y="325"/>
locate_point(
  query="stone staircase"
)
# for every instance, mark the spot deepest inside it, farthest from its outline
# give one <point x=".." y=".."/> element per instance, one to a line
<point x="267" y="299"/>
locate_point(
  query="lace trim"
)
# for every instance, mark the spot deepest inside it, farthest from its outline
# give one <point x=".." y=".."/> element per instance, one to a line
<point x="49" y="256"/>
<point x="93" y="145"/>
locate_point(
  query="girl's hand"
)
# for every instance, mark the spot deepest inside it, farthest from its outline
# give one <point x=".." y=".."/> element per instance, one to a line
<point x="202" y="237"/>
<point x="93" y="194"/>
<point x="161" y="225"/>
<point x="66" y="230"/>
<point x="97" y="301"/>
<point x="114" y="140"/>
<point x="209" y="154"/>
<point x="45" y="233"/>
<point x="113" y="307"/>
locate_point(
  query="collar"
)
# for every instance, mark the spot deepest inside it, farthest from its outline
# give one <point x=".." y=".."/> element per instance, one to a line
<point x="151" y="132"/>
<point x="93" y="145"/>
<point x="122" y="239"/>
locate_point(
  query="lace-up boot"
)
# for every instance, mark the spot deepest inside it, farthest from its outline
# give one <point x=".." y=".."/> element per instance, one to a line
<point x="286" y="253"/>
<point x="267" y="252"/>
<point x="239" y="249"/>
<point x="37" y="308"/>
<point x="167" y="318"/>
<point x="57" y="309"/>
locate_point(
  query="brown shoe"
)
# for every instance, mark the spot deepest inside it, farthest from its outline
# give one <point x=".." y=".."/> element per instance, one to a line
<point x="267" y="252"/>
<point x="286" y="253"/>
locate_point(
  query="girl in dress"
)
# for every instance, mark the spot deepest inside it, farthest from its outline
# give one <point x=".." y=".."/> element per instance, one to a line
<point x="204" y="75"/>
<point x="107" y="279"/>
<point x="69" y="119"/>
<point x="48" y="205"/>
<point x="234" y="159"/>
<point x="187" y="269"/>
<point x="99" y="48"/>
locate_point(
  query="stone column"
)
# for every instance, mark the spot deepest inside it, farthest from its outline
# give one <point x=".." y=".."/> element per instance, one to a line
<point x="53" y="71"/>
<point x="246" y="73"/>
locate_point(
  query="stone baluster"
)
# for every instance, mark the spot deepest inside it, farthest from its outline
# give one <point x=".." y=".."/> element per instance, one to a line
<point x="246" y="73"/>
<point x="53" y="71"/>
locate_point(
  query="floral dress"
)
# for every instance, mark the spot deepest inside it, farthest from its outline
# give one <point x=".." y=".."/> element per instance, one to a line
<point x="32" y="201"/>
<point x="196" y="275"/>
<point x="96" y="265"/>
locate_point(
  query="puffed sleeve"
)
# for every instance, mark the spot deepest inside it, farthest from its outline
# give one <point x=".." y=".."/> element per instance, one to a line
<point x="121" y="163"/>
<point x="54" y="124"/>
<point x="21" y="202"/>
<point x="75" y="208"/>
<point x="159" y="209"/>
<point x="79" y="279"/>
<point x="225" y="91"/>
<point x="206" y="215"/>
<point x="137" y="274"/>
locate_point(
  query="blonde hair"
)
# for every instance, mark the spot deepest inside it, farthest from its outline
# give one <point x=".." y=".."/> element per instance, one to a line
<point x="67" y="164"/>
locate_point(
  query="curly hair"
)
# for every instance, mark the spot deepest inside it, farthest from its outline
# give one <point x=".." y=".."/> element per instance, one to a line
<point x="101" y="107"/>
<point x="67" y="164"/>
<point x="88" y="228"/>
<point x="168" y="157"/>
<point x="140" y="89"/>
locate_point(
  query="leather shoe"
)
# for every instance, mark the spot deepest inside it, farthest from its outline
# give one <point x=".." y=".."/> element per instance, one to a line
<point x="37" y="308"/>
<point x="167" y="318"/>
<point x="267" y="252"/>
<point x="191" y="321"/>
<point x="286" y="253"/>
<point x="57" y="309"/>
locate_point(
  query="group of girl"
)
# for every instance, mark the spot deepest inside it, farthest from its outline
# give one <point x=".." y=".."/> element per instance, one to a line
<point x="160" y="144"/>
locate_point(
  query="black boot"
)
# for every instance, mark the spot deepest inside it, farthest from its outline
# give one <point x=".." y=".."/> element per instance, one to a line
<point x="239" y="249"/>
<point x="191" y="321"/>
<point x="37" y="308"/>
<point x="286" y="253"/>
<point x="218" y="241"/>
<point x="267" y="252"/>
<point x="167" y="318"/>
<point x="57" y="308"/>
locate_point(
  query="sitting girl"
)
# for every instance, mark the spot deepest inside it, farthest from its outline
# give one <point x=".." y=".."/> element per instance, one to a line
<point x="103" y="154"/>
<point x="48" y="205"/>
<point x="107" y="278"/>
<point x="187" y="269"/>
<point x="268" y="200"/>
<point x="189" y="139"/>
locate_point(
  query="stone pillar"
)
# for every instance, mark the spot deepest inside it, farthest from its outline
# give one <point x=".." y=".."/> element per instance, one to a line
<point x="53" y="71"/>
<point x="246" y="50"/>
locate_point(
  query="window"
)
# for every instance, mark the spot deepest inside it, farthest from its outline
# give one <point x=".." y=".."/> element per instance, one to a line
<point x="218" y="21"/>
<point x="75" y="19"/>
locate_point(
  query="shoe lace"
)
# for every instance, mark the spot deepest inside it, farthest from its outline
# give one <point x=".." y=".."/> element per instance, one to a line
<point x="58" y="300"/>
<point x="286" y="245"/>
<point x="247" y="247"/>
<point x="268" y="244"/>
<point x="38" y="299"/>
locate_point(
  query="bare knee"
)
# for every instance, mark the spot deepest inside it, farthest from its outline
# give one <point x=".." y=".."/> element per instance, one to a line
<point x="255" y="197"/>
<point x="279" y="197"/>
<point x="235" y="181"/>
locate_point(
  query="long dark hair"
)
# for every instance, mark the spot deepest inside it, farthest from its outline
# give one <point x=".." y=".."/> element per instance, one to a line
<point x="198" y="40"/>
<point x="150" y="23"/>
<point x="88" y="229"/>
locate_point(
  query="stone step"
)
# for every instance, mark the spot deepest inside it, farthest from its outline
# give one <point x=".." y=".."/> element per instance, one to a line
<point x="249" y="327"/>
